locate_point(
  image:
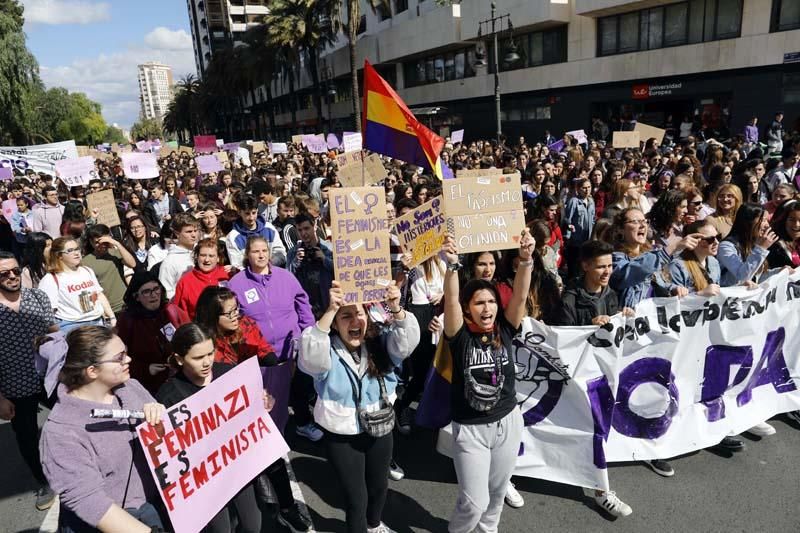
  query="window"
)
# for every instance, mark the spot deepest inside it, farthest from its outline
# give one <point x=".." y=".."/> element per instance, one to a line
<point x="534" y="49"/>
<point x="687" y="22"/>
<point x="400" y="5"/>
<point x="454" y="65"/>
<point x="362" y="25"/>
<point x="785" y="15"/>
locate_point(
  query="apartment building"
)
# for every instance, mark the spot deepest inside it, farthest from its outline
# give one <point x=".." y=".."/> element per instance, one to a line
<point x="653" y="60"/>
<point x="155" y="89"/>
<point x="216" y="24"/>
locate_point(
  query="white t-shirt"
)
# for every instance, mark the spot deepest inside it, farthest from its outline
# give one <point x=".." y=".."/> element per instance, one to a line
<point x="422" y="290"/>
<point x="74" y="295"/>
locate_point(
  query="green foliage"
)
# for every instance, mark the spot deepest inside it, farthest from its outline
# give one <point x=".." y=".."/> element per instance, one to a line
<point x="147" y="129"/>
<point x="114" y="135"/>
<point x="60" y="116"/>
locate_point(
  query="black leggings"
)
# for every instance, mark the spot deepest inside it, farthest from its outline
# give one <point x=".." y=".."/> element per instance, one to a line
<point x="421" y="358"/>
<point x="362" y="464"/>
<point x="246" y="509"/>
<point x="26" y="430"/>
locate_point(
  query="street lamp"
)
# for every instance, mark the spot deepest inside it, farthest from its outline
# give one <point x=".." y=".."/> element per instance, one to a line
<point x="494" y="27"/>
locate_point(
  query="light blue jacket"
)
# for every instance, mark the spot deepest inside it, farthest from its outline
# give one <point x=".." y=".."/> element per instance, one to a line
<point x="680" y="275"/>
<point x="16" y="225"/>
<point x="734" y="269"/>
<point x="323" y="356"/>
<point x="633" y="276"/>
<point x="581" y="215"/>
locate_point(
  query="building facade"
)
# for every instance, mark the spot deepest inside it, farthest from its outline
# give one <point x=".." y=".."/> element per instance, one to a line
<point x="155" y="89"/>
<point x="216" y="24"/>
<point x="657" y="61"/>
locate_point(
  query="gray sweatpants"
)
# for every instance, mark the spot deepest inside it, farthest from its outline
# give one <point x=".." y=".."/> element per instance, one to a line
<point x="484" y="457"/>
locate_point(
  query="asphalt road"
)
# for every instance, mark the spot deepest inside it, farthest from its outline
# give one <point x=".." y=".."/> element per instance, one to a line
<point x="756" y="490"/>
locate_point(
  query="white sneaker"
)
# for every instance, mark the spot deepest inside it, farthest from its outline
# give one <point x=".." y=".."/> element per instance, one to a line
<point x="310" y="431"/>
<point x="513" y="497"/>
<point x="396" y="472"/>
<point x="382" y="528"/>
<point x="762" y="430"/>
<point x="611" y="504"/>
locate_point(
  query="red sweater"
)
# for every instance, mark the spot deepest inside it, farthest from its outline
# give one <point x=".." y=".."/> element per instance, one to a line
<point x="192" y="284"/>
<point x="251" y="343"/>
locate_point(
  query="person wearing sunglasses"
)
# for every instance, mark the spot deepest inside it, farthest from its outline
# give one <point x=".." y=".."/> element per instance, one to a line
<point x="146" y="326"/>
<point x="25" y="314"/>
<point x="95" y="466"/>
<point x="73" y="289"/>
<point x="698" y="270"/>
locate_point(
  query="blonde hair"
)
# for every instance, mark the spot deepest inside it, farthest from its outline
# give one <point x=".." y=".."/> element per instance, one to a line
<point x="54" y="263"/>
<point x="738" y="201"/>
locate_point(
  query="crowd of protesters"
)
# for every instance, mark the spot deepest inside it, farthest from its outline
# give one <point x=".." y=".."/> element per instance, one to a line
<point x="208" y="270"/>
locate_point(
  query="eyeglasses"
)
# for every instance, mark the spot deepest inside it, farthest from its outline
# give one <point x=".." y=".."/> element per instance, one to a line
<point x="5" y="274"/>
<point x="233" y="313"/>
<point x="69" y="250"/>
<point x="118" y="358"/>
<point x="642" y="222"/>
<point x="727" y="173"/>
<point x="712" y="239"/>
<point x="137" y="227"/>
<point x="147" y="293"/>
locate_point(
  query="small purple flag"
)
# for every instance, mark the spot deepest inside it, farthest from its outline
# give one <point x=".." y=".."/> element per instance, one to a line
<point x="557" y="146"/>
<point x="447" y="172"/>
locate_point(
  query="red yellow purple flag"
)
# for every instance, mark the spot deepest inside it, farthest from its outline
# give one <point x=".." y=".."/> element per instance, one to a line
<point x="390" y="128"/>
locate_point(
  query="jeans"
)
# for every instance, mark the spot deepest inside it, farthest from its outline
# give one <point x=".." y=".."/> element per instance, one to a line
<point x="361" y="463"/>
<point x="484" y="456"/>
<point x="68" y="522"/>
<point x="67" y="325"/>
<point x="26" y="431"/>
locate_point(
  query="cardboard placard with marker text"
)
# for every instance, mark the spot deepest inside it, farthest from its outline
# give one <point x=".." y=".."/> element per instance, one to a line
<point x="421" y="232"/>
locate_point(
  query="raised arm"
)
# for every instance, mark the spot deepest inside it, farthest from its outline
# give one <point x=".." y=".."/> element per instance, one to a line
<point x="453" y="316"/>
<point x="515" y="311"/>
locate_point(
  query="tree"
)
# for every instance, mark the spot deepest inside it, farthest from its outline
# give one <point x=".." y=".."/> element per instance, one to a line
<point x="60" y="116"/>
<point x="302" y="25"/>
<point x="353" y="12"/>
<point x="147" y="129"/>
<point x="183" y="117"/>
<point x="19" y="76"/>
<point x="114" y="135"/>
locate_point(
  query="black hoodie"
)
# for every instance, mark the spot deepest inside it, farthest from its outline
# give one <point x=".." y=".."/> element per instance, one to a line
<point x="579" y="307"/>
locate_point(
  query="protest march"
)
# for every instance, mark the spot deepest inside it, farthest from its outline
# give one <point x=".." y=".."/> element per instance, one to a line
<point x="549" y="309"/>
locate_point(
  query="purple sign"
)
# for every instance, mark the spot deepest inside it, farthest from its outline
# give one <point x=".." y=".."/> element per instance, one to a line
<point x="333" y="141"/>
<point x="6" y="173"/>
<point x="208" y="164"/>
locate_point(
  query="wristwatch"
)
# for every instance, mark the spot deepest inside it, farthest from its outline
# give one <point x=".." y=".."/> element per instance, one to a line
<point x="454" y="267"/>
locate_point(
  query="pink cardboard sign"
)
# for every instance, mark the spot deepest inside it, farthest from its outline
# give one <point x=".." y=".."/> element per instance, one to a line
<point x="211" y="445"/>
<point x="75" y="172"/>
<point x="139" y="166"/>
<point x="208" y="164"/>
<point x="205" y="143"/>
<point x="9" y="208"/>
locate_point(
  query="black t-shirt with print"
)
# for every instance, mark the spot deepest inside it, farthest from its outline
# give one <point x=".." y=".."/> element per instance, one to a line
<point x="467" y="349"/>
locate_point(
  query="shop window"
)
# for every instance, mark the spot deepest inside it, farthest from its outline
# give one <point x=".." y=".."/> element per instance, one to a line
<point x="785" y="15"/>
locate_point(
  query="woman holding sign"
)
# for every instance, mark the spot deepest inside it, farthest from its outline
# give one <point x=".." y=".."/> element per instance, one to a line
<point x="94" y="465"/>
<point x="487" y="425"/>
<point x="351" y="361"/>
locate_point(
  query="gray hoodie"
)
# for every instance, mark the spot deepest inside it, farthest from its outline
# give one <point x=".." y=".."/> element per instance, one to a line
<point x="47" y="218"/>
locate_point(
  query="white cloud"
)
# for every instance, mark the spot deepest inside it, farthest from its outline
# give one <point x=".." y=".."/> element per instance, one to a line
<point x="111" y="79"/>
<point x="65" y="11"/>
<point x="163" y="38"/>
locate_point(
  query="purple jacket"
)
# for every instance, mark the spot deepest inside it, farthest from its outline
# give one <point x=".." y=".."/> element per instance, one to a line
<point x="278" y="304"/>
<point x="87" y="460"/>
<point x="751" y="134"/>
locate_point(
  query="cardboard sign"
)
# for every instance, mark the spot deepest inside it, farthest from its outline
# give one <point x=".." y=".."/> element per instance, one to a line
<point x="457" y="136"/>
<point x="211" y="445"/>
<point x="205" y="144"/>
<point x="165" y="151"/>
<point x="207" y="164"/>
<point x="186" y="150"/>
<point x="375" y="171"/>
<point x="222" y="157"/>
<point x="478" y="172"/>
<point x="355" y="170"/>
<point x="297" y="139"/>
<point x="647" y="132"/>
<point x="106" y="207"/>
<point x="625" y="139"/>
<point x="259" y="147"/>
<point x="579" y="136"/>
<point x="422" y="231"/>
<point x="484" y="213"/>
<point x="76" y="171"/>
<point x="138" y="166"/>
<point x="278" y="148"/>
<point x="352" y="142"/>
<point x="360" y="238"/>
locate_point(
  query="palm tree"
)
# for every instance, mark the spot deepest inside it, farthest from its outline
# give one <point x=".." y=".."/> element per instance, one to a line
<point x="182" y="113"/>
<point x="353" y="12"/>
<point x="302" y="25"/>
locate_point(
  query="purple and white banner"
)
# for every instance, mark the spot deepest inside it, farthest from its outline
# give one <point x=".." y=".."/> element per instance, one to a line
<point x="39" y="158"/>
<point x="678" y="377"/>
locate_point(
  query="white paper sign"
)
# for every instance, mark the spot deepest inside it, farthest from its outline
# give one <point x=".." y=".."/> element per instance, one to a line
<point x="278" y="148"/>
<point x="75" y="172"/>
<point x="579" y="135"/>
<point x="352" y="142"/>
<point x="457" y="136"/>
<point x="139" y="166"/>
<point x="39" y="158"/>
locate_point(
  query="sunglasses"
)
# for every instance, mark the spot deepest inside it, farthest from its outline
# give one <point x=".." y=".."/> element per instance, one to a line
<point x="712" y="239"/>
<point x="70" y="250"/>
<point x="698" y="202"/>
<point x="119" y="359"/>
<point x="5" y="274"/>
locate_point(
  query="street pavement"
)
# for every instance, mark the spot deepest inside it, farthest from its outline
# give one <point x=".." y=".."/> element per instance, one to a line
<point x="756" y="490"/>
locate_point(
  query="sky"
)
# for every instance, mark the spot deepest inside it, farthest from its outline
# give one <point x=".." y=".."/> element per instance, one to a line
<point x="94" y="47"/>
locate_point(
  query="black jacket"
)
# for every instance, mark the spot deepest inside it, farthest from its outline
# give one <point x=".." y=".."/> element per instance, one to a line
<point x="151" y="217"/>
<point x="579" y="307"/>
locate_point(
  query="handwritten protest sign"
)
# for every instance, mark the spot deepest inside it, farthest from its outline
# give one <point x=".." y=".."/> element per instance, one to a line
<point x="211" y="445"/>
<point x="422" y="231"/>
<point x="230" y="147"/>
<point x="39" y="158"/>
<point x="205" y="143"/>
<point x="356" y="170"/>
<point x="139" y="166"/>
<point x="297" y="139"/>
<point x="333" y="141"/>
<point x="457" y="136"/>
<point x="484" y="213"/>
<point x="186" y="150"/>
<point x="625" y="139"/>
<point x="222" y="157"/>
<point x="106" y="206"/>
<point x="352" y="142"/>
<point x="361" y="243"/>
<point x="208" y="164"/>
<point x="258" y="147"/>
<point x="9" y="208"/>
<point x="165" y="151"/>
<point x="578" y="135"/>
<point x="479" y="172"/>
<point x="6" y="173"/>
<point x="142" y="146"/>
<point x="76" y="171"/>
<point x="316" y="145"/>
<point x="278" y="148"/>
<point x="647" y="132"/>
